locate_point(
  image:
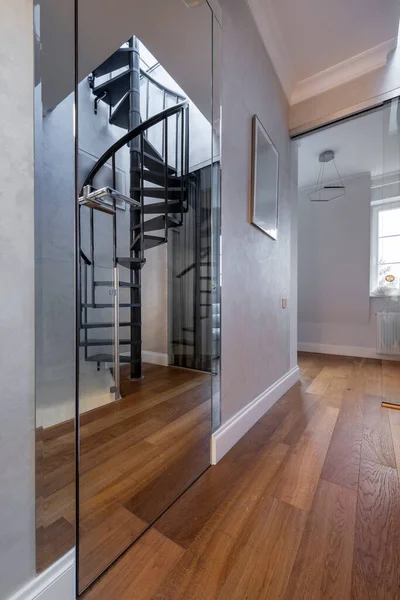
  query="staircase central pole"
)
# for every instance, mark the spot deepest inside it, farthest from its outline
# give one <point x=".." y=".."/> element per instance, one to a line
<point x="135" y="215"/>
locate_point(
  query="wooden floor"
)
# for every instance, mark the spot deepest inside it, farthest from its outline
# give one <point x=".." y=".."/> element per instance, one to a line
<point x="136" y="456"/>
<point x="305" y="506"/>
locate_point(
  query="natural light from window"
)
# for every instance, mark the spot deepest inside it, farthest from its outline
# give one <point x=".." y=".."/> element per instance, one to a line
<point x="385" y="249"/>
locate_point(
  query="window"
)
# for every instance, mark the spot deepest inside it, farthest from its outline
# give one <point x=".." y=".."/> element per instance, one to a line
<point x="385" y="248"/>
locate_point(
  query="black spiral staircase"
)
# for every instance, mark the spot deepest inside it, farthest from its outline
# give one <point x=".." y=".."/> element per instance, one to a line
<point x="157" y="200"/>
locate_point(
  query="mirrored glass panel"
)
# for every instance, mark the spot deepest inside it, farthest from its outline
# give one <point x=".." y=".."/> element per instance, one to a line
<point x="54" y="279"/>
<point x="216" y="224"/>
<point x="147" y="255"/>
<point x="349" y="247"/>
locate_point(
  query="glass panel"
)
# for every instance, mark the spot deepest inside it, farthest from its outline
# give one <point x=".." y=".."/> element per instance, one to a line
<point x="389" y="222"/>
<point x="216" y="223"/>
<point x="389" y="249"/>
<point x="387" y="306"/>
<point x="54" y="281"/>
<point x="139" y="453"/>
<point x="341" y="239"/>
<point x="98" y="393"/>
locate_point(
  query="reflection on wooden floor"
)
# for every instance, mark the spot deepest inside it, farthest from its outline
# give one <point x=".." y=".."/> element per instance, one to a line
<point x="55" y="492"/>
<point x="137" y="456"/>
<point x="305" y="506"/>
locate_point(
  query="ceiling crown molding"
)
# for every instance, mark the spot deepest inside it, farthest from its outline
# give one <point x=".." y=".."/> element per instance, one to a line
<point x="350" y="69"/>
<point x="267" y="25"/>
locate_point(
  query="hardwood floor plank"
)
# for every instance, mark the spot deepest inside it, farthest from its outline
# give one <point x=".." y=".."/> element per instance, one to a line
<point x="300" y="508"/>
<point x="391" y="381"/>
<point x="54" y="540"/>
<point x="209" y="492"/>
<point x="297" y="482"/>
<point x="377" y="444"/>
<point x="372" y="376"/>
<point x="376" y="573"/>
<point x="321" y="383"/>
<point x="153" y="499"/>
<point x="103" y="450"/>
<point x="394" y="421"/>
<point x="139" y="571"/>
<point x="336" y="390"/>
<point x="264" y="565"/>
<point x="99" y="547"/>
<point x="171" y="433"/>
<point x="96" y="508"/>
<point x="218" y="565"/>
<point x="342" y="463"/>
<point x="323" y="566"/>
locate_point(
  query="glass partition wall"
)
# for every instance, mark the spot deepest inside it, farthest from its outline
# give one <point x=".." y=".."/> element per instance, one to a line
<point x="54" y="96"/>
<point x="148" y="302"/>
<point x="349" y="244"/>
<point x="127" y="223"/>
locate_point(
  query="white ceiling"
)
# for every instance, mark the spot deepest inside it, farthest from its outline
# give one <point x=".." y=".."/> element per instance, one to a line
<point x="364" y="144"/>
<point x="180" y="37"/>
<point x="321" y="33"/>
<point x="304" y="38"/>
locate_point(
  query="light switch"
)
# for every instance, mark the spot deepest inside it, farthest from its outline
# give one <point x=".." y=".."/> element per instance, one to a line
<point x="284" y="302"/>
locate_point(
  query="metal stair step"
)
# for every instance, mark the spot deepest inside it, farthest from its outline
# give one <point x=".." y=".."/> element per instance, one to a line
<point x="116" y="61"/>
<point x="152" y="150"/>
<point x="159" y="192"/>
<point x="159" y="208"/>
<point x="158" y="178"/>
<point x="109" y="305"/>
<point x="113" y="89"/>
<point x="156" y="164"/>
<point x="107" y="358"/>
<point x="157" y="224"/>
<point x="150" y="241"/>
<point x="106" y="325"/>
<point x="123" y="284"/>
<point x="131" y="263"/>
<point x="120" y="115"/>
<point x="183" y="343"/>
<point x="91" y="343"/>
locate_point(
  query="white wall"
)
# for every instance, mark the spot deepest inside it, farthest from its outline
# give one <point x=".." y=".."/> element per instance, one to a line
<point x="336" y="314"/>
<point x="257" y="271"/>
<point x="17" y="492"/>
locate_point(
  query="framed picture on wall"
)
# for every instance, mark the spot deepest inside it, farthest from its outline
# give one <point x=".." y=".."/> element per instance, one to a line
<point x="264" y="181"/>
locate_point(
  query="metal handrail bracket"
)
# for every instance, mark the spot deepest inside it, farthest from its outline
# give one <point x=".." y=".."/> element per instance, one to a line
<point x="96" y="198"/>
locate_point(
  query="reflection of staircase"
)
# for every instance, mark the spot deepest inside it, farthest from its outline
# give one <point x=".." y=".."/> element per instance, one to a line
<point x="159" y="153"/>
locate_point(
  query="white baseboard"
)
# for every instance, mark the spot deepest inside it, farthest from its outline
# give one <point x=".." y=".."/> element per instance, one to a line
<point x="57" y="582"/>
<point x="155" y="358"/>
<point x="357" y="351"/>
<point x="238" y="425"/>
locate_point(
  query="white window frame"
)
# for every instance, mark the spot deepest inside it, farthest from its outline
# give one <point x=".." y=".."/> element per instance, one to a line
<point x="377" y="207"/>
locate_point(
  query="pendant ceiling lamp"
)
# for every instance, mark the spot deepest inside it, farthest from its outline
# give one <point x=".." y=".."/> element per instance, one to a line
<point x="324" y="192"/>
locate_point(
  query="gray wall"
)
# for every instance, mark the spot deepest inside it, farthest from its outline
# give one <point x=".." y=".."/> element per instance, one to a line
<point x="256" y="271"/>
<point x="17" y="496"/>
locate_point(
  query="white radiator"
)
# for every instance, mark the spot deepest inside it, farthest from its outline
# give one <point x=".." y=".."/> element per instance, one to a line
<point x="388" y="333"/>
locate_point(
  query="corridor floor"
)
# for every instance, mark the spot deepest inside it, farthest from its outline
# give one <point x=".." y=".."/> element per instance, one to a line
<point x="305" y="506"/>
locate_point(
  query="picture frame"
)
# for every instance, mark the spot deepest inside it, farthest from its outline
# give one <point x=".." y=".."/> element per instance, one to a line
<point x="264" y="181"/>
